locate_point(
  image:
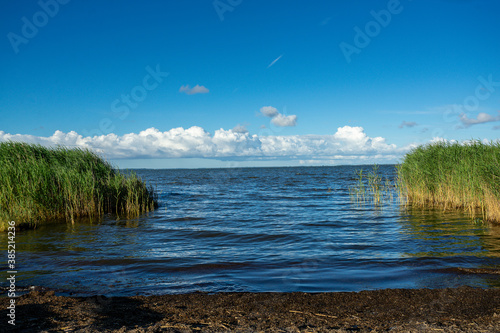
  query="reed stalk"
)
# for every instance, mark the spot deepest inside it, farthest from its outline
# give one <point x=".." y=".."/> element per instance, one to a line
<point x="462" y="176"/>
<point x="40" y="185"/>
<point x="370" y="187"/>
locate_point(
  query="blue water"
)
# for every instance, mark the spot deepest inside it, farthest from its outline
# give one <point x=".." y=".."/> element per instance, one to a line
<point x="259" y="229"/>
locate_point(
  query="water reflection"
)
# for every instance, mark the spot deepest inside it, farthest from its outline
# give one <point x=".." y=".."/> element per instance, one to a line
<point x="271" y="229"/>
<point x="459" y="242"/>
<point x="441" y="233"/>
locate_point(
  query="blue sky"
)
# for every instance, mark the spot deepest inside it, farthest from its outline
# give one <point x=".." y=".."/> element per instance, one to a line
<point x="249" y="82"/>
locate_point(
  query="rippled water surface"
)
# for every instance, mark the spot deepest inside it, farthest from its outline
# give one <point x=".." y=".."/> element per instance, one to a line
<point x="260" y="229"/>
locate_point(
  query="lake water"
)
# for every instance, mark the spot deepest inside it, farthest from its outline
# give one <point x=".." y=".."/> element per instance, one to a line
<point x="259" y="229"/>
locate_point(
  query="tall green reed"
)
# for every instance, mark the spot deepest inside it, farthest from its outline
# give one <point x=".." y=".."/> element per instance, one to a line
<point x="40" y="184"/>
<point x="454" y="175"/>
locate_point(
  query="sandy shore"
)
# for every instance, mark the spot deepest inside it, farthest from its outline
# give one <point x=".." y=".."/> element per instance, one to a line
<point x="395" y="310"/>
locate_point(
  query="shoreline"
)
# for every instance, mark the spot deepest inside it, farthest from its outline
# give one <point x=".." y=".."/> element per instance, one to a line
<point x="398" y="310"/>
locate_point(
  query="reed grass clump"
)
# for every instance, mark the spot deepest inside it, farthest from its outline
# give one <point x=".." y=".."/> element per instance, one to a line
<point x="40" y="185"/>
<point x="454" y="175"/>
<point x="371" y="187"/>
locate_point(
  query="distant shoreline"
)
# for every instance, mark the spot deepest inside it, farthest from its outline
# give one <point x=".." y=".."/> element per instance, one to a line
<point x="268" y="167"/>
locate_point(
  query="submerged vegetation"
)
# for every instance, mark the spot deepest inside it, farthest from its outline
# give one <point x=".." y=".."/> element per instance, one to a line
<point x="40" y="184"/>
<point x="454" y="175"/>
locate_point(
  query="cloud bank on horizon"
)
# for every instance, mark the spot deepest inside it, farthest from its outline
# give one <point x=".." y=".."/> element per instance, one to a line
<point x="347" y="144"/>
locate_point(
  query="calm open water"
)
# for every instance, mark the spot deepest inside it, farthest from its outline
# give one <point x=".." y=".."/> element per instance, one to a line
<point x="259" y="229"/>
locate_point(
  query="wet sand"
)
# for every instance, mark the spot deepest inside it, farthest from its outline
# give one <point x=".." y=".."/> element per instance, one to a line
<point x="396" y="310"/>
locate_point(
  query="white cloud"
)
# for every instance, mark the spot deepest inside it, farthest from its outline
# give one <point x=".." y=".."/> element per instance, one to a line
<point x="284" y="121"/>
<point x="269" y="111"/>
<point x="347" y="143"/>
<point x="408" y="124"/>
<point x="240" y="129"/>
<point x="278" y="119"/>
<point x="351" y="134"/>
<point x="197" y="89"/>
<point x="437" y="139"/>
<point x="481" y="119"/>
